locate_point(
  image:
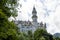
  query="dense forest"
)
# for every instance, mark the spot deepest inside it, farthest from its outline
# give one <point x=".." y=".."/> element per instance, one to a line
<point x="9" y="31"/>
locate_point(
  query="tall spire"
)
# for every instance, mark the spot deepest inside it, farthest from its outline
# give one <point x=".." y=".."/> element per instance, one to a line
<point x="34" y="10"/>
<point x="34" y="16"/>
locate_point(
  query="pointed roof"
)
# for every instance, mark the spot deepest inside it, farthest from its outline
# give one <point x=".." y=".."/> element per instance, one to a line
<point x="34" y="10"/>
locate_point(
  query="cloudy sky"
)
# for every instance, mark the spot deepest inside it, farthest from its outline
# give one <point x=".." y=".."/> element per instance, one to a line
<point x="47" y="11"/>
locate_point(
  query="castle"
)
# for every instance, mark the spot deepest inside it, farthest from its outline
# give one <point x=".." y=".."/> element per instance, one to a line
<point x="30" y="26"/>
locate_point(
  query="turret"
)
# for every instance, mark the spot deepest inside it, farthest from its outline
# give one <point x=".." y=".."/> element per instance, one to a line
<point x="34" y="16"/>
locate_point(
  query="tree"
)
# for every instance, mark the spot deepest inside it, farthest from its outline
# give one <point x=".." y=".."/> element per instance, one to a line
<point x="8" y="30"/>
<point x="38" y="33"/>
<point x="42" y="38"/>
<point x="30" y="35"/>
<point x="41" y="34"/>
<point x="8" y="7"/>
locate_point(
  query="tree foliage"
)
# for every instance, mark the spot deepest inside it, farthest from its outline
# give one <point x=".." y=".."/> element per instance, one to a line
<point x="9" y="7"/>
<point x="8" y="30"/>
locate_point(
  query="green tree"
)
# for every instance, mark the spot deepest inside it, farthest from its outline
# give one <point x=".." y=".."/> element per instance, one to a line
<point x="8" y="7"/>
<point x="8" y="30"/>
<point x="38" y="33"/>
<point x="41" y="34"/>
<point x="30" y="35"/>
<point x="42" y="38"/>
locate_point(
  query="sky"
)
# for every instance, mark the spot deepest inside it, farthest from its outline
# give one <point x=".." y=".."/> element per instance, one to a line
<point x="47" y="11"/>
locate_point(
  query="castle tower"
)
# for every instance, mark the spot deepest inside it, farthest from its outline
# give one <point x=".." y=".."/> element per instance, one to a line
<point x="34" y="16"/>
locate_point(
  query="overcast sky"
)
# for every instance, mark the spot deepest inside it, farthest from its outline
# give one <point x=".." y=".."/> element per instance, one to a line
<point x="47" y="11"/>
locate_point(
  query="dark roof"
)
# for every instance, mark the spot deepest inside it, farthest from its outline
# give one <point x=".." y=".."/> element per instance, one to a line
<point x="34" y="10"/>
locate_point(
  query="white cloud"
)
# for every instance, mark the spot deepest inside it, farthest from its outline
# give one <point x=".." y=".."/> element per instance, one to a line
<point x="54" y="18"/>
